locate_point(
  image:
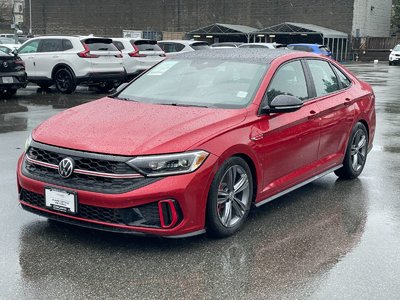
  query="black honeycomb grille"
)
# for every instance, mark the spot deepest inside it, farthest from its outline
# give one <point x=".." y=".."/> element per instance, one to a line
<point x="144" y="215"/>
<point x="83" y="161"/>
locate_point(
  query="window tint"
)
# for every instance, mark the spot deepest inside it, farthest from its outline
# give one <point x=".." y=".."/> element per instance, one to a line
<point x="342" y="78"/>
<point x="301" y="48"/>
<point x="324" y="50"/>
<point x="119" y="45"/>
<point x="100" y="45"/>
<point x="50" y="45"/>
<point x="171" y="47"/>
<point x="147" y="45"/>
<point x="67" y="45"/>
<point x="288" y="80"/>
<point x="200" y="46"/>
<point x="325" y="80"/>
<point x="30" y="47"/>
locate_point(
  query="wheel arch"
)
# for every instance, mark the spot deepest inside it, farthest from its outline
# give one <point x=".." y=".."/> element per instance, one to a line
<point x="61" y="66"/>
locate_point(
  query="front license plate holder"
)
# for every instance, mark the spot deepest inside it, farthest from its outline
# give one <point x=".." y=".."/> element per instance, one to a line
<point x="61" y="200"/>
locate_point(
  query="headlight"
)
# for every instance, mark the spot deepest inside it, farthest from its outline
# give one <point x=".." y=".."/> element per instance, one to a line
<point x="169" y="164"/>
<point x="28" y="142"/>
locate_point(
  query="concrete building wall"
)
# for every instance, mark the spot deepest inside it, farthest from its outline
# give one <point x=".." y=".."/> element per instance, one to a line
<point x="105" y="17"/>
<point x="371" y="18"/>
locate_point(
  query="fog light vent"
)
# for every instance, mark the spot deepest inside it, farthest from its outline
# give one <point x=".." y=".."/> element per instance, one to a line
<point x="168" y="213"/>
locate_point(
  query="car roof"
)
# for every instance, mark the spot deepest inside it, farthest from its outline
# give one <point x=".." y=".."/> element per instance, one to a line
<point x="185" y="42"/>
<point x="251" y="55"/>
<point x="305" y="44"/>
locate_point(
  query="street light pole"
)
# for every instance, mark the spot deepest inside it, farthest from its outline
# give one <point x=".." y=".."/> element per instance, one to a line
<point x="30" y="17"/>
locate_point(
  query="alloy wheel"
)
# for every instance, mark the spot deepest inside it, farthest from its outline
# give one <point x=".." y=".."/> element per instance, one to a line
<point x="233" y="196"/>
<point x="358" y="151"/>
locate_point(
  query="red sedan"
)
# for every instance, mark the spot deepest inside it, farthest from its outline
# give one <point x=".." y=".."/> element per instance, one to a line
<point x="196" y="141"/>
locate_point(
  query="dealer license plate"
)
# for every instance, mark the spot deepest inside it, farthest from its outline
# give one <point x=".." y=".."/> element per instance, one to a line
<point x="60" y="200"/>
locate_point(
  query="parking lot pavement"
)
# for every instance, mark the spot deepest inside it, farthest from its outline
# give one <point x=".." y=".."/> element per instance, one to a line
<point x="331" y="239"/>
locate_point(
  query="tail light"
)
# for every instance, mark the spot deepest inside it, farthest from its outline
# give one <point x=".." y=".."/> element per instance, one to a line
<point x="168" y="214"/>
<point x="135" y="52"/>
<point x="20" y="62"/>
<point x="86" y="53"/>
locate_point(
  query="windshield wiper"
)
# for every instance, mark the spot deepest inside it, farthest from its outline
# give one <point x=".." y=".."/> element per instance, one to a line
<point x="187" y="105"/>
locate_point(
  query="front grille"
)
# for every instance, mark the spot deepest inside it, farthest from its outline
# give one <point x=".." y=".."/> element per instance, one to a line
<point x="144" y="215"/>
<point x="101" y="173"/>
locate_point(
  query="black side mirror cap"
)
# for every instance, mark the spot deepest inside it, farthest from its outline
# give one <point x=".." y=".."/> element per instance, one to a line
<point x="14" y="52"/>
<point x="283" y="103"/>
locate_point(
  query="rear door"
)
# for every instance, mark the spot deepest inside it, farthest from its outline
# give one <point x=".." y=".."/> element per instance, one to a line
<point x="336" y="107"/>
<point x="105" y="57"/>
<point x="288" y="142"/>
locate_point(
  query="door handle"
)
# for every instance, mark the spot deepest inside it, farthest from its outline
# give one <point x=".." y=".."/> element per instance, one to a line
<point x="312" y="114"/>
<point x="347" y="102"/>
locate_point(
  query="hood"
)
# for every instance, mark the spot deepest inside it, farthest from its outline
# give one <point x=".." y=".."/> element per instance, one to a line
<point x="130" y="128"/>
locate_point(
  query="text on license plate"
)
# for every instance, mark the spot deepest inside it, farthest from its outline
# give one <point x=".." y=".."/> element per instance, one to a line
<point x="62" y="201"/>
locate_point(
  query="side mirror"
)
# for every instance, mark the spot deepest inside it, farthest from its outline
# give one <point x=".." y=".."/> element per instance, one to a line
<point x="390" y="50"/>
<point x="121" y="87"/>
<point x="283" y="103"/>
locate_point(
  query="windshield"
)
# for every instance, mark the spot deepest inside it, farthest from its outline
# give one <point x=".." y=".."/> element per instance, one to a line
<point x="4" y="40"/>
<point x="397" y="48"/>
<point x="197" y="82"/>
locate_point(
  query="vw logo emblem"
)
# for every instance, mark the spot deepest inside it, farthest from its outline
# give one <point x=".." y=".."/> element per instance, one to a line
<point x="66" y="167"/>
<point x="5" y="64"/>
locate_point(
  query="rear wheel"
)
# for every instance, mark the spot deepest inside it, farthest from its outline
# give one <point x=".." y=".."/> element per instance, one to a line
<point x="229" y="198"/>
<point x="356" y="153"/>
<point x="11" y="92"/>
<point x="65" y="81"/>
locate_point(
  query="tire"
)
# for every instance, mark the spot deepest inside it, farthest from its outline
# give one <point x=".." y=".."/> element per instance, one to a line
<point x="65" y="81"/>
<point x="390" y="63"/>
<point x="11" y="92"/>
<point x="356" y="153"/>
<point x="227" y="210"/>
<point x="105" y="87"/>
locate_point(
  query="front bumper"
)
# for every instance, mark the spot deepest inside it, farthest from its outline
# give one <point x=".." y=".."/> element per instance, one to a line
<point x="189" y="192"/>
<point x="19" y="80"/>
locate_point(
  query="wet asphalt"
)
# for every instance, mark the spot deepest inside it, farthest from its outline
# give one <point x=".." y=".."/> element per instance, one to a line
<point x="331" y="239"/>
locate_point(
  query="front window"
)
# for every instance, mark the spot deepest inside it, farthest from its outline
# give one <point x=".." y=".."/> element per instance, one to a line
<point x="198" y="82"/>
<point x="30" y="47"/>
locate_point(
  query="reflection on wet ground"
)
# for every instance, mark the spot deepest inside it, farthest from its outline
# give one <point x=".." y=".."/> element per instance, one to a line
<point x="329" y="239"/>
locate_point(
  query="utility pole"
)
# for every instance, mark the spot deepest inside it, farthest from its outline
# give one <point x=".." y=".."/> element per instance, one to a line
<point x="18" y="17"/>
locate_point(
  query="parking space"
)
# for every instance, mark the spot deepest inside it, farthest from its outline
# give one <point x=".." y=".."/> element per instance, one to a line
<point x="329" y="239"/>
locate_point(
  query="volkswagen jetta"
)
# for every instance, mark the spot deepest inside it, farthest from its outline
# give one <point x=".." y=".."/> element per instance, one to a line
<point x="193" y="143"/>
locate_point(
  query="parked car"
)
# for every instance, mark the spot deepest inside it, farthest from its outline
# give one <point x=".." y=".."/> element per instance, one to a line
<point x="68" y="61"/>
<point x="261" y="45"/>
<point x="394" y="57"/>
<point x="192" y="143"/>
<point x="10" y="43"/>
<point x="180" y="46"/>
<point x="225" y="45"/>
<point x="315" y="48"/>
<point x="12" y="73"/>
<point x="6" y="49"/>
<point x="138" y="55"/>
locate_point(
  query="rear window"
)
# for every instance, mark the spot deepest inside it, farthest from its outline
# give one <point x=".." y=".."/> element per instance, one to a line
<point x="171" y="47"/>
<point x="146" y="45"/>
<point x="119" y="45"/>
<point x="200" y="46"/>
<point x="301" y="48"/>
<point x="100" y="45"/>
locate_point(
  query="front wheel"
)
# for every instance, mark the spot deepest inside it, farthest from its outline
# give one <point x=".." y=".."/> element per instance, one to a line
<point x="356" y="153"/>
<point x="229" y="198"/>
<point x="65" y="81"/>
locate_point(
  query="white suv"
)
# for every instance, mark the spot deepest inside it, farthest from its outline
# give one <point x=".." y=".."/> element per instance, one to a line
<point x="394" y="57"/>
<point x="138" y="55"/>
<point x="180" y="46"/>
<point x="69" y="61"/>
